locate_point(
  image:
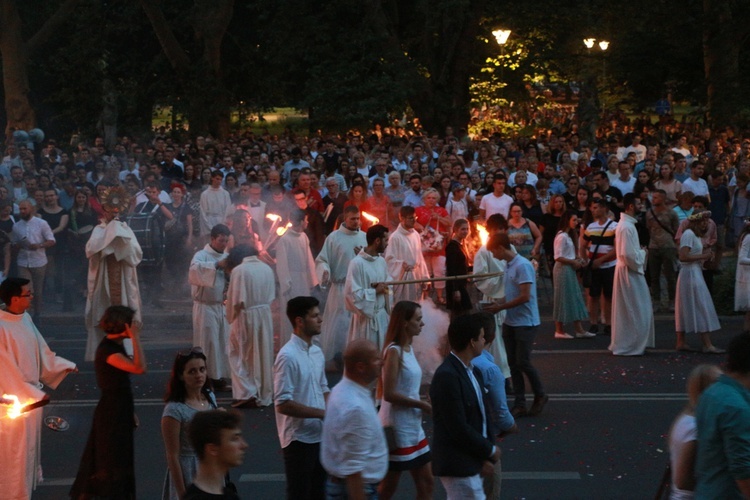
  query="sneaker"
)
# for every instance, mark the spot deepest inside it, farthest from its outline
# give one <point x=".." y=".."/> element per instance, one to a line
<point x="594" y="329"/>
<point x="585" y="335"/>
<point x="563" y="335"/>
<point x="538" y="406"/>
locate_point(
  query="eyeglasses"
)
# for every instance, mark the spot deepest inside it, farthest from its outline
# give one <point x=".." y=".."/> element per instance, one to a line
<point x="30" y="294"/>
<point x="191" y="351"/>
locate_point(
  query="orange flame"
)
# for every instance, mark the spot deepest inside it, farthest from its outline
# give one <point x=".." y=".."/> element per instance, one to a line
<point x="273" y="217"/>
<point x="14" y="405"/>
<point x="371" y="218"/>
<point x="484" y="235"/>
<point x="280" y="231"/>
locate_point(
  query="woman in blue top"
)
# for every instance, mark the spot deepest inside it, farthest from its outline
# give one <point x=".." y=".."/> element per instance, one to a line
<point x="188" y="392"/>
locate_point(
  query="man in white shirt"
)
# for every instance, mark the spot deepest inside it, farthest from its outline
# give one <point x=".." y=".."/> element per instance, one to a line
<point x="353" y="449"/>
<point x="626" y="182"/>
<point x="300" y="394"/>
<point x="214" y="204"/>
<point x="32" y="235"/>
<point x="695" y="184"/>
<point x="497" y="202"/>
<point x="637" y="148"/>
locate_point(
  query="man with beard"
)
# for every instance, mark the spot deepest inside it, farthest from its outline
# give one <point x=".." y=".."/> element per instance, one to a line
<point x="300" y="394"/>
<point x="366" y="291"/>
<point x="210" y="328"/>
<point x="331" y="266"/>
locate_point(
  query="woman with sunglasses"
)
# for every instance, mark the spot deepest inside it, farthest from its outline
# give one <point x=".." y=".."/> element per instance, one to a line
<point x="106" y="468"/>
<point x="188" y="392"/>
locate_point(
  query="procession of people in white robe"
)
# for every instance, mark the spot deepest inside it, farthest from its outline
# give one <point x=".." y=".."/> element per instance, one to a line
<point x="252" y="289"/>
<point x="114" y="254"/>
<point x="370" y="310"/>
<point x="210" y="326"/>
<point x="28" y="364"/>
<point x="406" y="262"/>
<point x="338" y="251"/>
<point x="295" y="268"/>
<point x="632" y="312"/>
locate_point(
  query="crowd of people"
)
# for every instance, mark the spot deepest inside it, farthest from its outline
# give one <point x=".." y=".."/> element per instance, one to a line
<point x="371" y="226"/>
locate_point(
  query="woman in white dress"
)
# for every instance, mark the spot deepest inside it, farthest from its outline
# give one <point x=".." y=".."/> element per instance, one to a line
<point x="683" y="435"/>
<point x="401" y="409"/>
<point x="742" y="278"/>
<point x="694" y="307"/>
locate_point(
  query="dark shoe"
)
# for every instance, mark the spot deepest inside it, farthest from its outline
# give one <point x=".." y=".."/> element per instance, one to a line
<point x="607" y="330"/>
<point x="594" y="329"/>
<point x="518" y="411"/>
<point x="221" y="385"/>
<point x="538" y="406"/>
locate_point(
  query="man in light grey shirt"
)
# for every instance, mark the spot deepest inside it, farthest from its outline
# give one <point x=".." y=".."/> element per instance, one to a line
<point x="353" y="450"/>
<point x="300" y="393"/>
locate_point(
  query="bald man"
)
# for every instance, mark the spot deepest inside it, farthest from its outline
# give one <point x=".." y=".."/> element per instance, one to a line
<point x="353" y="449"/>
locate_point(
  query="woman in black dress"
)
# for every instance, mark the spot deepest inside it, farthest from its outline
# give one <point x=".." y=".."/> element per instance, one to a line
<point x="457" y="264"/>
<point x="106" y="469"/>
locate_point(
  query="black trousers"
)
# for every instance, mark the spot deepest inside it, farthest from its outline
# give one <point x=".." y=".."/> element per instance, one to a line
<point x="305" y="477"/>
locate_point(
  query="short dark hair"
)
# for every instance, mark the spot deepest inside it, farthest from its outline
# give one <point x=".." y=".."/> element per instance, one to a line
<point x="375" y="232"/>
<point x="12" y="287"/>
<point x="702" y="200"/>
<point x="462" y="330"/>
<point x="351" y="209"/>
<point x="217" y="173"/>
<point x="115" y="318"/>
<point x="498" y="240"/>
<point x="738" y="354"/>
<point x="297" y="216"/>
<point x="219" y="230"/>
<point x="206" y="426"/>
<point x="488" y="325"/>
<point x="628" y="200"/>
<point x="406" y="211"/>
<point x="497" y="222"/>
<point x="298" y="307"/>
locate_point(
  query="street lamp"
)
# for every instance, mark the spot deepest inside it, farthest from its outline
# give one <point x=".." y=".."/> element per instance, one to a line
<point x="502" y="38"/>
<point x="603" y="46"/>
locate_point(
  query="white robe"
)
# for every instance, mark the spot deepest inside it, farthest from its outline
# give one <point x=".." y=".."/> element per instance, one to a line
<point x="370" y="311"/>
<point x="493" y="288"/>
<point x="114" y="238"/>
<point x="210" y="326"/>
<point x="334" y="258"/>
<point x="295" y="268"/>
<point x="251" y="290"/>
<point x="632" y="312"/>
<point x="25" y="356"/>
<point x="214" y="204"/>
<point x="405" y="247"/>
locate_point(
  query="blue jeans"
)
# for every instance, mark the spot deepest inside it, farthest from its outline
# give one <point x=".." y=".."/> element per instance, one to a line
<point x="337" y="490"/>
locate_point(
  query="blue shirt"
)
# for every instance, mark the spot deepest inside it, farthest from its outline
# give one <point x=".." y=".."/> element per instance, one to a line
<point x="518" y="272"/>
<point x="494" y="384"/>
<point x="556" y="186"/>
<point x="412" y="199"/>
<point x="723" y="420"/>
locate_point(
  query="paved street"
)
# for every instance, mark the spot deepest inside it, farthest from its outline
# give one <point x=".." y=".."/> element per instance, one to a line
<point x="602" y="434"/>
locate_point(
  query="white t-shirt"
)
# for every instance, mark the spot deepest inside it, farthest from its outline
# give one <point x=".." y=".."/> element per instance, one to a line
<point x="683" y="432"/>
<point x="625" y="187"/>
<point x="698" y="188"/>
<point x="492" y="204"/>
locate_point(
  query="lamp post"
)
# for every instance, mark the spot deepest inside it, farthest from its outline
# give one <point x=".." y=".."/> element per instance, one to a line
<point x="603" y="46"/>
<point x="502" y="38"/>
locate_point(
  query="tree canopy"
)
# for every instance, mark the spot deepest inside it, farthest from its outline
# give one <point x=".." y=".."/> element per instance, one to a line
<point x="355" y="64"/>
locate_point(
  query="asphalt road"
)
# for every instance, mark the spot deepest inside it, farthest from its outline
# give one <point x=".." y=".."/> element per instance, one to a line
<point x="602" y="434"/>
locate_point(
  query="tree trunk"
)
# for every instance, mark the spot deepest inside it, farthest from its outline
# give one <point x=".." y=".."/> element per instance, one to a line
<point x="15" y="74"/>
<point x="209" y="104"/>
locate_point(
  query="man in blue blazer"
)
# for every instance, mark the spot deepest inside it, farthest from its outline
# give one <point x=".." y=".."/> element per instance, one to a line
<point x="462" y="449"/>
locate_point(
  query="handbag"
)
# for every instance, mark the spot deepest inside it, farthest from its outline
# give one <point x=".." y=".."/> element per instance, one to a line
<point x="587" y="272"/>
<point x="174" y="225"/>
